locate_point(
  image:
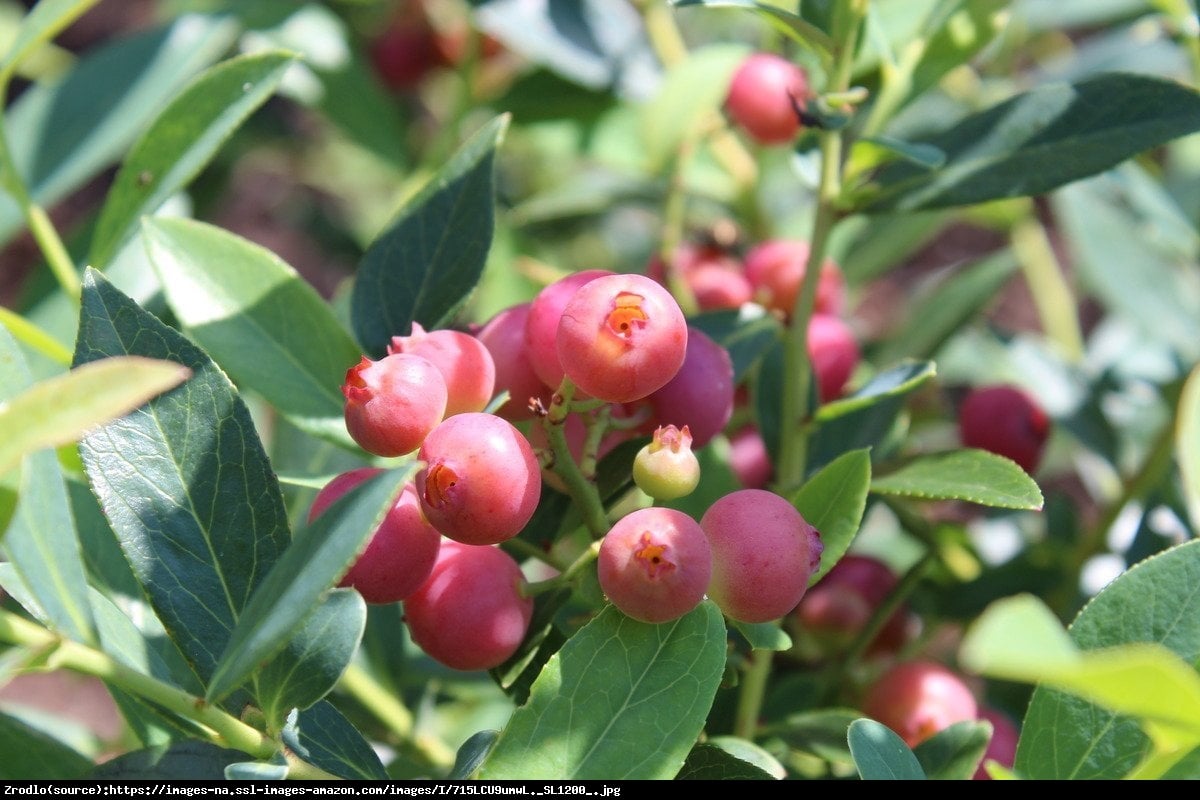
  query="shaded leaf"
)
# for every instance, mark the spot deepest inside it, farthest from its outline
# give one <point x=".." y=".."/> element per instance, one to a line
<point x="708" y="762"/>
<point x="822" y="733"/>
<point x="183" y="480"/>
<point x="833" y="501"/>
<point x="659" y="683"/>
<point x="746" y="338"/>
<point x="182" y="761"/>
<point x="1042" y="139"/>
<point x="973" y="475"/>
<point x="542" y="640"/>
<point x="320" y="554"/>
<point x="42" y="757"/>
<point x="954" y="753"/>
<point x="427" y="261"/>
<point x="181" y="141"/>
<point x="472" y="753"/>
<point x="257" y="318"/>
<point x="324" y="738"/>
<point x="880" y="755"/>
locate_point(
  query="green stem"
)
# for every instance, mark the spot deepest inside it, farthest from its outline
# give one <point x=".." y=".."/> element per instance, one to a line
<point x="428" y="750"/>
<point x="583" y="491"/>
<point x="219" y="727"/>
<point x="528" y="550"/>
<point x="752" y="692"/>
<point x="1051" y="295"/>
<point x="568" y="575"/>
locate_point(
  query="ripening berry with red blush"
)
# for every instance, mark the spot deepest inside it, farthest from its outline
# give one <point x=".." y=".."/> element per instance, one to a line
<point x="401" y="551"/>
<point x="655" y="564"/>
<point x="393" y="403"/>
<point x="1006" y="421"/>
<point x="504" y="337"/>
<point x="700" y="395"/>
<point x="481" y="481"/>
<point x="621" y="337"/>
<point x="916" y="699"/>
<point x="464" y="361"/>
<point x="749" y="459"/>
<point x="541" y="326"/>
<point x="715" y="278"/>
<point x="834" y="354"/>
<point x="761" y="97"/>
<point x="1002" y="747"/>
<point x="764" y="552"/>
<point x="839" y="606"/>
<point x="776" y="268"/>
<point x="470" y="613"/>
<point x="667" y="468"/>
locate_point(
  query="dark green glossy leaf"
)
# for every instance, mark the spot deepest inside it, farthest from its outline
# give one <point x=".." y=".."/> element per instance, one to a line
<point x="315" y="657"/>
<point x="833" y="501"/>
<point x="543" y="639"/>
<point x="319" y="555"/>
<point x="427" y="261"/>
<point x="822" y="733"/>
<point x="880" y="755"/>
<point x="184" y="481"/>
<point x="63" y="133"/>
<point x="41" y="541"/>
<point x="1043" y="139"/>
<point x="42" y="757"/>
<point x="258" y="319"/>
<point x="708" y="762"/>
<point x="658" y="685"/>
<point x="472" y="753"/>
<point x="181" y="141"/>
<point x="954" y="753"/>
<point x="794" y="26"/>
<point x="324" y="738"/>
<point x="40" y="25"/>
<point x="1155" y="601"/>
<point x="976" y="476"/>
<point x="183" y="761"/>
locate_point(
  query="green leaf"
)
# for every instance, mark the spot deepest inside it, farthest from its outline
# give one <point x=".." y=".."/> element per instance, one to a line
<point x="472" y="753"/>
<point x="39" y="26"/>
<point x="258" y="319"/>
<point x="973" y="475"/>
<point x="62" y="134"/>
<point x="692" y="89"/>
<point x="427" y="261"/>
<point x="937" y="315"/>
<point x="183" y="480"/>
<point x="833" y="501"/>
<point x="542" y="640"/>
<point x="792" y="25"/>
<point x="319" y="555"/>
<point x="182" y="761"/>
<point x="747" y="338"/>
<point x="954" y="753"/>
<point x="871" y="151"/>
<point x="1187" y="444"/>
<point x="41" y="541"/>
<point x="962" y="30"/>
<point x="621" y="700"/>
<point x="822" y="733"/>
<point x="324" y="738"/>
<point x="42" y="757"/>
<point x="255" y="771"/>
<point x="1043" y="139"/>
<point x="710" y="762"/>
<point x="717" y="479"/>
<point x="315" y="657"/>
<point x="181" y="141"/>
<point x="763" y="635"/>
<point x="353" y="99"/>
<point x="1186" y="769"/>
<point x="59" y="410"/>
<point x="880" y="755"/>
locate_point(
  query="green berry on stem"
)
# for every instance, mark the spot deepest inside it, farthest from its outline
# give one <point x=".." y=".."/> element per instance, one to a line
<point x="667" y="468"/>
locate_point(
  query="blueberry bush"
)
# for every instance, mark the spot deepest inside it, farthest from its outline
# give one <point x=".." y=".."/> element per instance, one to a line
<point x="890" y="307"/>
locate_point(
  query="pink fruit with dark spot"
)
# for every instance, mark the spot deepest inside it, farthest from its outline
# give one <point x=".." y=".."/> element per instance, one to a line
<point x="763" y="554"/>
<point x="655" y="564"/>
<point x="761" y="95"/>
<point x="1006" y="421"/>
<point x="481" y="482"/>
<point x="916" y="699"/>
<point x="401" y="551"/>
<point x="392" y="404"/>
<point x="621" y="337"/>
<point x="465" y="364"/>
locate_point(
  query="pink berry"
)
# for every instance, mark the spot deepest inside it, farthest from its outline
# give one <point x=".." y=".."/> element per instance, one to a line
<point x="393" y="403"/>
<point x="700" y="395"/>
<point x="621" y="337"/>
<point x="749" y="459"/>
<point x="775" y="269"/>
<point x="541" y="326"/>
<point x="763" y="554"/>
<point x="761" y="94"/>
<point x="841" y="603"/>
<point x="465" y="364"/>
<point x="470" y="614"/>
<point x="504" y="337"/>
<point x="667" y="468"/>
<point x="834" y="354"/>
<point x="655" y="564"/>
<point x="1002" y="747"/>
<point x="916" y="699"/>
<point x="401" y="551"/>
<point x="1006" y="421"/>
<point x="481" y="482"/>
<point x="715" y="278"/>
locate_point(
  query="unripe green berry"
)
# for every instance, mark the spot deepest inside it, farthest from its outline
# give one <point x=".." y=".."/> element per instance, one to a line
<point x="667" y="468"/>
